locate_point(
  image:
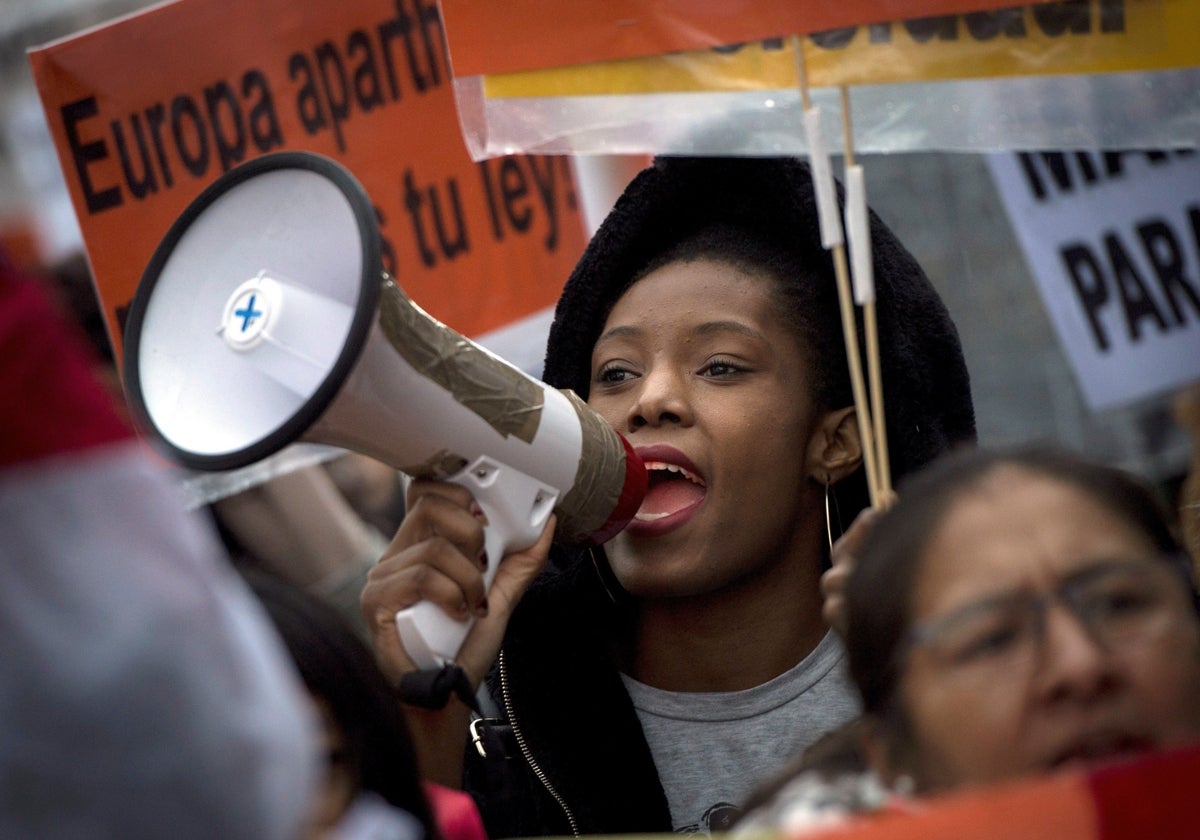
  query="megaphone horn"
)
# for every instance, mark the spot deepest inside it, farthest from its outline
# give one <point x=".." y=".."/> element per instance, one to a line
<point x="265" y="317"/>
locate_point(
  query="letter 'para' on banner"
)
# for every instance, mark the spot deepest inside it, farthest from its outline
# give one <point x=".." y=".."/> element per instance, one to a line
<point x="1112" y="240"/>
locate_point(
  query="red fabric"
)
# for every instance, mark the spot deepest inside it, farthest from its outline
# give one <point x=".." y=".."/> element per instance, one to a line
<point x="1152" y="797"/>
<point x="1051" y="808"/>
<point x="51" y="400"/>
<point x="455" y="813"/>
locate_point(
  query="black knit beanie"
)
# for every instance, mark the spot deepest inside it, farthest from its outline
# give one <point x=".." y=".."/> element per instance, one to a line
<point x="927" y="392"/>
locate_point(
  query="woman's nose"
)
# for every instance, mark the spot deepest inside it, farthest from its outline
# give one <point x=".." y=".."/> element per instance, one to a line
<point x="661" y="398"/>
<point x="1075" y="664"/>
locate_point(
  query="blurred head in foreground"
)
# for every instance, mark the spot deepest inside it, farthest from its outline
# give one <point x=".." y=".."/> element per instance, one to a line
<point x="368" y="754"/>
<point x="1019" y="612"/>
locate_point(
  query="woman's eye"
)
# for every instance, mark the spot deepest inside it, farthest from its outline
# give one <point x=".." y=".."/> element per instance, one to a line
<point x="1116" y="602"/>
<point x="613" y="374"/>
<point x="993" y="639"/>
<point x="722" y="367"/>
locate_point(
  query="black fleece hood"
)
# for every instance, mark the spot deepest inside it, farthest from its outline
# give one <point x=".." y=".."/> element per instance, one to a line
<point x="927" y="390"/>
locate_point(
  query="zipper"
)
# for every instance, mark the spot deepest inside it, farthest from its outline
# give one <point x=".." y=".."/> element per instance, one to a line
<point x="529" y="759"/>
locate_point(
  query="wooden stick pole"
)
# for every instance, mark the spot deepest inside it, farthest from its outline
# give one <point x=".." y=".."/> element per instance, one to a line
<point x="871" y="328"/>
<point x="845" y="299"/>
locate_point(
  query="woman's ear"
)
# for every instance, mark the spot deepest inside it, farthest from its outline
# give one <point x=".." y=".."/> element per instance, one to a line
<point x="835" y="448"/>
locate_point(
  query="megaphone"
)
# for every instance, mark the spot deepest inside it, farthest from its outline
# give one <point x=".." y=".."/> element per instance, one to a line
<point x="265" y="317"/>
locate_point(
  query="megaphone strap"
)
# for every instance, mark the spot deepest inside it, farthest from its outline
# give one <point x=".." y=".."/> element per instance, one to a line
<point x="430" y="688"/>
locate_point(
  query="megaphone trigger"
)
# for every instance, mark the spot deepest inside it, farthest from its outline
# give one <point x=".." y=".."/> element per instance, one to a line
<point x="265" y="318"/>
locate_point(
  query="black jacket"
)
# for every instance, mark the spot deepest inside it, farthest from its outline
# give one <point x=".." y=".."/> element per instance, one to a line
<point x="570" y="716"/>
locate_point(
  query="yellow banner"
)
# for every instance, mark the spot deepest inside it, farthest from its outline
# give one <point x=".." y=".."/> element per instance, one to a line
<point x="1086" y="36"/>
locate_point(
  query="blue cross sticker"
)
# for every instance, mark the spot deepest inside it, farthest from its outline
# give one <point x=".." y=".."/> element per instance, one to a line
<point x="248" y="314"/>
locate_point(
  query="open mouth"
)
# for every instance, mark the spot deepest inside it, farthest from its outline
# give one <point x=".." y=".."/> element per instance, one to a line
<point x="671" y="489"/>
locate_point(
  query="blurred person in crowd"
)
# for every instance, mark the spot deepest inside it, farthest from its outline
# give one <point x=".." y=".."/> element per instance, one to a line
<point x="374" y="489"/>
<point x="1186" y="411"/>
<point x="143" y="691"/>
<point x="371" y="785"/>
<point x="300" y="526"/>
<point x="1017" y="612"/>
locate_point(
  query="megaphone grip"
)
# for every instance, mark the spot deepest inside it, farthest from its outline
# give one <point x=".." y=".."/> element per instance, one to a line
<point x="517" y="507"/>
<point x="430" y="637"/>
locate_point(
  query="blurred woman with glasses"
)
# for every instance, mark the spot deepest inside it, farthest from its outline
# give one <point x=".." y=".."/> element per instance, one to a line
<point x="1019" y="612"/>
<point x="1015" y="613"/>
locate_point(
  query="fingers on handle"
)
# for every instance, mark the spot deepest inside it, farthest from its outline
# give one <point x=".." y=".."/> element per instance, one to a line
<point x="434" y="570"/>
<point x="513" y="578"/>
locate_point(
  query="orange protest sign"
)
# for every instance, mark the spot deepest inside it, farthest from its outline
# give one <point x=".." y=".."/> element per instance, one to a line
<point x="147" y="111"/>
<point x="517" y="35"/>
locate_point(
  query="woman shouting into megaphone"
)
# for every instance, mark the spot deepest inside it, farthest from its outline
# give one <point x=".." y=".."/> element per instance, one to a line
<point x="649" y="685"/>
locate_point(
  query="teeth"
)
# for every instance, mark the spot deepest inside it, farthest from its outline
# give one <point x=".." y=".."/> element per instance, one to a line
<point x="675" y="468"/>
<point x="650" y="517"/>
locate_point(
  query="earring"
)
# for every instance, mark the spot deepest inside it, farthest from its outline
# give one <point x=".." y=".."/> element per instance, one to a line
<point x="596" y="565"/>
<point x="828" y="520"/>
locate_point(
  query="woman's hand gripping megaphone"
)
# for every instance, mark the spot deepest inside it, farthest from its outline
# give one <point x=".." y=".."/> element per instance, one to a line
<point x="445" y="560"/>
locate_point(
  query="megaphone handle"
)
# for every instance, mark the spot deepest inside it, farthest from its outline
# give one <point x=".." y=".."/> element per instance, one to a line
<point x="430" y="636"/>
<point x="517" y="507"/>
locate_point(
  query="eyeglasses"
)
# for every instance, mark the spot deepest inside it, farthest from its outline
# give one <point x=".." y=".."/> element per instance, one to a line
<point x="1121" y="604"/>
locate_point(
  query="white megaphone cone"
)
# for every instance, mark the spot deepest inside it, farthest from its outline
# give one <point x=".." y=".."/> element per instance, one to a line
<point x="265" y="318"/>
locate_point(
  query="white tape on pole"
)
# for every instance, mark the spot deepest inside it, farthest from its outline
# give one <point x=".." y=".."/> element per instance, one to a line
<point x="858" y="232"/>
<point x="827" y="209"/>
